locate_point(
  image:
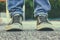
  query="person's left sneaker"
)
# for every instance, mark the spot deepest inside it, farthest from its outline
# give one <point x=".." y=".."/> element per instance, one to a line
<point x="15" y="24"/>
<point x="43" y="24"/>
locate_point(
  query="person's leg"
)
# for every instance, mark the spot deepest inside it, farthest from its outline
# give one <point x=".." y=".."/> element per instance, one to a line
<point x="41" y="6"/>
<point x="41" y="12"/>
<point x="15" y="9"/>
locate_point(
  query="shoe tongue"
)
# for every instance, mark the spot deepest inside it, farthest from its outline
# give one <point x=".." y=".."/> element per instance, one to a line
<point x="16" y="19"/>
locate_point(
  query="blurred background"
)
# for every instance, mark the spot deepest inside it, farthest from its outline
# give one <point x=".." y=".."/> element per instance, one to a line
<point x="54" y="13"/>
<point x="2" y="5"/>
<point x="29" y="8"/>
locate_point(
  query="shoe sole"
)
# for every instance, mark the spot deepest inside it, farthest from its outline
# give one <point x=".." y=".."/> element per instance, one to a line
<point x="14" y="30"/>
<point x="46" y="29"/>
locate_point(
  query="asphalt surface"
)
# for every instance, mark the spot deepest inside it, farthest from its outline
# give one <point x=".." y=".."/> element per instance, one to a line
<point x="29" y="35"/>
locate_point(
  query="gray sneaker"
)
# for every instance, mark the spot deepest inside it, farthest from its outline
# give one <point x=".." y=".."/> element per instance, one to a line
<point x="43" y="23"/>
<point x="15" y="23"/>
<point x="16" y="19"/>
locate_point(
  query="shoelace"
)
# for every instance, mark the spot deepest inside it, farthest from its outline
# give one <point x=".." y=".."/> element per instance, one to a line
<point x="42" y="19"/>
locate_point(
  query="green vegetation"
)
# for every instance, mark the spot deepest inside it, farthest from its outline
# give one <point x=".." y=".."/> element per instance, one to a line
<point x="54" y="13"/>
<point x="2" y="7"/>
<point x="29" y="9"/>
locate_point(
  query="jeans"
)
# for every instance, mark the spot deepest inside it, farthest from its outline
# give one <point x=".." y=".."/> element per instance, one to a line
<point x="15" y="7"/>
<point x="40" y="7"/>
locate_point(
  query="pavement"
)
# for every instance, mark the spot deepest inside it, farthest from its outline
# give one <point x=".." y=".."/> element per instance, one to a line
<point x="30" y="35"/>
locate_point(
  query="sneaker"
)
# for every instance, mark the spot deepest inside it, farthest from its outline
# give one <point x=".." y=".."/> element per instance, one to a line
<point x="15" y="23"/>
<point x="43" y="23"/>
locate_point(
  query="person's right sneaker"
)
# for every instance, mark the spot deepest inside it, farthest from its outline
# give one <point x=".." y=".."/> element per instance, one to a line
<point x="15" y="24"/>
<point x="43" y="24"/>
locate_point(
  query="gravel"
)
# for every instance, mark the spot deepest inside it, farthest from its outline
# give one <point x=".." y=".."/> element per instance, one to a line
<point x="30" y="35"/>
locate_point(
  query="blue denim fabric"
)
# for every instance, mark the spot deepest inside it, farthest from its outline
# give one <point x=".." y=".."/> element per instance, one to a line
<point x="15" y="6"/>
<point x="40" y="6"/>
